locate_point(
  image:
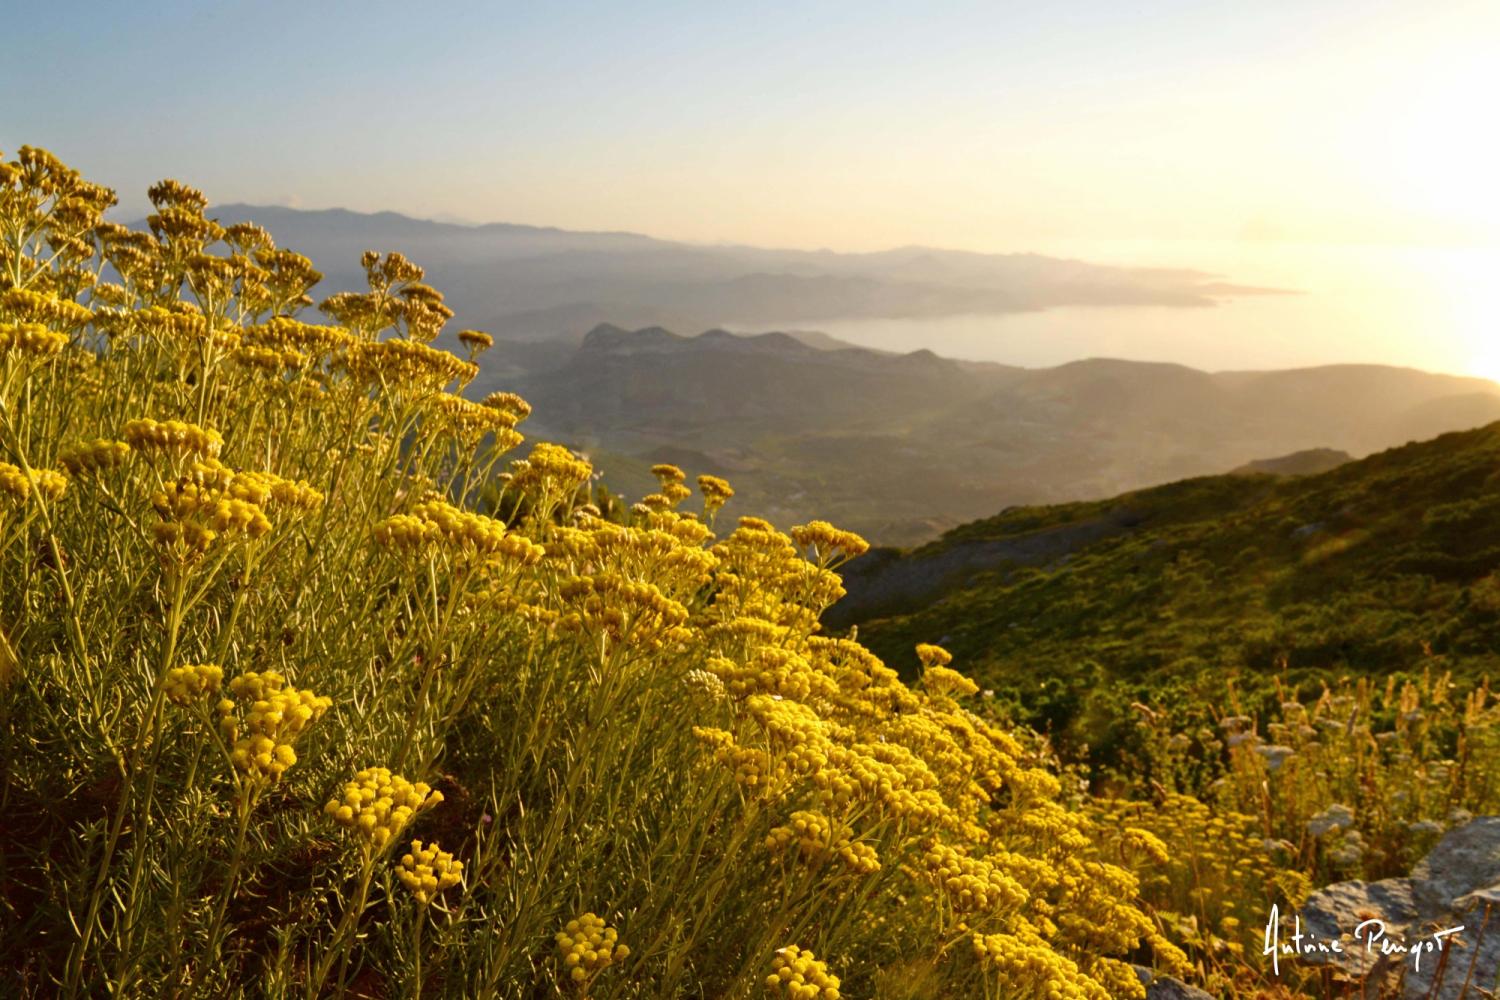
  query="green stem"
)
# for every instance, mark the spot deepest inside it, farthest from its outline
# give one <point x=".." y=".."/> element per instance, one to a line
<point x="246" y="806"/>
<point x="416" y="952"/>
<point x="337" y="949"/>
<point x="132" y="765"/>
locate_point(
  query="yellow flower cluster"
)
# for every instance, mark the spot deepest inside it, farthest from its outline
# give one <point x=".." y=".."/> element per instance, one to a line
<point x="173" y="437"/>
<point x="377" y="805"/>
<point x="188" y="684"/>
<point x="818" y="838"/>
<point x="623" y="609"/>
<point x="263" y="720"/>
<point x="947" y="681"/>
<point x="32" y="308"/>
<point x="269" y="359"/>
<point x="550" y="469"/>
<point x="933" y="656"/>
<point x="588" y="947"/>
<point x="30" y="340"/>
<point x="973" y="885"/>
<point x="772" y="670"/>
<point x="194" y="517"/>
<point x="21" y="485"/>
<point x="829" y="545"/>
<point x="459" y="532"/>
<point x="469" y="421"/>
<point x="94" y="456"/>
<point x="716" y="493"/>
<point x="284" y="334"/>
<point x="754" y="769"/>
<point x="673" y="487"/>
<point x="509" y="402"/>
<point x="797" y="974"/>
<point x="406" y="364"/>
<point x="266" y="488"/>
<point x="1026" y="969"/>
<point x="427" y="871"/>
<point x="477" y="341"/>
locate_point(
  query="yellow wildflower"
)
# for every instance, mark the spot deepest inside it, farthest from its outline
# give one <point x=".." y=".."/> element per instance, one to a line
<point x="588" y="947"/>
<point x="427" y="871"/>
<point x="377" y="805"/>
<point x="797" y="974"/>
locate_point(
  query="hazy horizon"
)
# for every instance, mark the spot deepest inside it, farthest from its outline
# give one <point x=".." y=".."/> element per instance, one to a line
<point x="1305" y="142"/>
<point x="835" y="124"/>
<point x="1355" y="303"/>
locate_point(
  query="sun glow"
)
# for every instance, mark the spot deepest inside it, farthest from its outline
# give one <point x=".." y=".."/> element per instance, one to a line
<point x="1475" y="318"/>
<point x="1433" y="151"/>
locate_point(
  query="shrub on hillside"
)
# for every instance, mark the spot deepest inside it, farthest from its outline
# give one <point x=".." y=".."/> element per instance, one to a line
<point x="286" y="710"/>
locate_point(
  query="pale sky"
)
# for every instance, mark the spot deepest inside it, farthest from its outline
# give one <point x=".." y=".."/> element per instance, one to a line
<point x="852" y="125"/>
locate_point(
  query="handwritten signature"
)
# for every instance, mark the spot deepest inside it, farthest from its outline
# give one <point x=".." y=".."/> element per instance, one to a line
<point x="1369" y="933"/>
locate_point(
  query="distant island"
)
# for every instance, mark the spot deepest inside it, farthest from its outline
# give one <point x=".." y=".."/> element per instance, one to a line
<point x="535" y="283"/>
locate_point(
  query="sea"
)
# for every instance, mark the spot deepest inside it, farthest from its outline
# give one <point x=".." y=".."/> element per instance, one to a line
<point x="1431" y="308"/>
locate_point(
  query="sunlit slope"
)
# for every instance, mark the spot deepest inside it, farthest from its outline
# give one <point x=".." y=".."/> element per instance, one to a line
<point x="1379" y="565"/>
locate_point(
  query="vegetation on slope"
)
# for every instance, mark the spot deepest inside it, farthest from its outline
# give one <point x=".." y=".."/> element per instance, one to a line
<point x="308" y="689"/>
<point x="1386" y="565"/>
<point x="282" y="713"/>
<point x="1282" y="679"/>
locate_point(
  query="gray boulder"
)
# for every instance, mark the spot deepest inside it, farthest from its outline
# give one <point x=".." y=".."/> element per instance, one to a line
<point x="1398" y="936"/>
<point x="1167" y="988"/>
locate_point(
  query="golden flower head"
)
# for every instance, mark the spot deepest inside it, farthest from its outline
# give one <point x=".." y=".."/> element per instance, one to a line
<point x="427" y="871"/>
<point x="588" y="947"/>
<point x="29" y="308"/>
<point x="509" y="402"/>
<point x="263" y="720"/>
<point x="94" y="456"/>
<point x="716" y="493"/>
<point x="933" y="656"/>
<point x="32" y="341"/>
<point x="21" y="485"/>
<point x="797" y="974"/>
<point x="826" y="540"/>
<point x="172" y="437"/>
<point x="477" y="341"/>
<point x="188" y="684"/>
<point x="377" y="805"/>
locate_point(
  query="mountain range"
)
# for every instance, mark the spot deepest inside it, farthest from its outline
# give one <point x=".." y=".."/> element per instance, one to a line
<point x="898" y="446"/>
<point x="537" y="283"/>
<point x="901" y="447"/>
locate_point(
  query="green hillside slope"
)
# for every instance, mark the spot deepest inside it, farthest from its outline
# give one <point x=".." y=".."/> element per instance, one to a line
<point x="1069" y="613"/>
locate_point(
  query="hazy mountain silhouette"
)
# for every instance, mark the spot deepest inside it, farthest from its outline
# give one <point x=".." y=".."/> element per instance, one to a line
<point x="903" y="446"/>
<point x="900" y="446"/>
<point x="1309" y="462"/>
<point x="536" y="283"/>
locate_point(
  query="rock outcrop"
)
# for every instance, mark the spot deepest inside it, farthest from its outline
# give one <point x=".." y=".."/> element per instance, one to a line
<point x="1167" y="988"/>
<point x="1398" y="937"/>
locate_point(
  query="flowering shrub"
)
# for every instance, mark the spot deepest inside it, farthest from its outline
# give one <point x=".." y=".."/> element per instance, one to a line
<point x="1355" y="781"/>
<point x="213" y="505"/>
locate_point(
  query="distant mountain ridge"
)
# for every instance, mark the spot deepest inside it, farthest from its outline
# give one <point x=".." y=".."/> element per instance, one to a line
<point x="533" y="282"/>
<point x="1308" y="462"/>
<point x="901" y="446"/>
